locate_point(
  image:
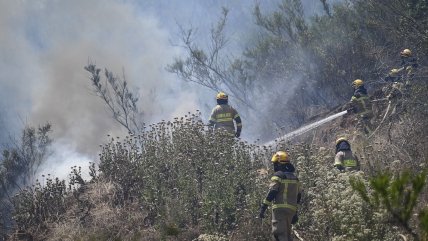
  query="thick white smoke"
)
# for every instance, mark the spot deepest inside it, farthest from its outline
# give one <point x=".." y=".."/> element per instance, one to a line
<point x="45" y="44"/>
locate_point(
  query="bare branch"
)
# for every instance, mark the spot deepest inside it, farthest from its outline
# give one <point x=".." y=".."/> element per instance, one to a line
<point x="210" y="68"/>
<point x="118" y="98"/>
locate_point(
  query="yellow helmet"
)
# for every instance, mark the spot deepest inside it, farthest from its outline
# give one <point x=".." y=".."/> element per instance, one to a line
<point x="340" y="139"/>
<point x="222" y="96"/>
<point x="397" y="85"/>
<point x="281" y="157"/>
<point x="357" y="83"/>
<point x="406" y="53"/>
<point x="394" y="72"/>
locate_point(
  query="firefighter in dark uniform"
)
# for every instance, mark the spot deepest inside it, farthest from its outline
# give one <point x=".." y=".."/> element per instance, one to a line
<point x="406" y="72"/>
<point x="360" y="104"/>
<point x="409" y="64"/>
<point x="284" y="196"/>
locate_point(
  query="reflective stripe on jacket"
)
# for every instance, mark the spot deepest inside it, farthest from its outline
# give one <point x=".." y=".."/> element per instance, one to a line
<point x="222" y="116"/>
<point x="347" y="160"/>
<point x="288" y="189"/>
<point x="362" y="105"/>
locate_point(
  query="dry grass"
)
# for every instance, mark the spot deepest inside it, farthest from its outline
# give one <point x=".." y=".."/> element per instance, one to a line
<point x="101" y="210"/>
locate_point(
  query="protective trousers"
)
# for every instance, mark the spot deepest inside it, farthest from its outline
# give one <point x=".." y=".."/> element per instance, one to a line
<point x="281" y="224"/>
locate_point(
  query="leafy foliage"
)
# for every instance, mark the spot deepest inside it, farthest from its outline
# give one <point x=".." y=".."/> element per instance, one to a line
<point x="179" y="166"/>
<point x="44" y="202"/>
<point x="177" y="179"/>
<point x="397" y="194"/>
<point x="305" y="65"/>
<point x="18" y="165"/>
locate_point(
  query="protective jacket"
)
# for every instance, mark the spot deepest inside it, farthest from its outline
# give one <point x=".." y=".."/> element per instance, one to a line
<point x="360" y="102"/>
<point x="345" y="160"/>
<point x="360" y="91"/>
<point x="408" y="66"/>
<point x="222" y="116"/>
<point x="284" y="196"/>
<point x="409" y="61"/>
<point x="284" y="191"/>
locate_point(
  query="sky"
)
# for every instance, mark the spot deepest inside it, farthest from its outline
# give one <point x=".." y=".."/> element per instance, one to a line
<point x="44" y="45"/>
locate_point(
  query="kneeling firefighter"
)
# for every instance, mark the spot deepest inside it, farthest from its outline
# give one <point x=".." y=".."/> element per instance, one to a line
<point x="284" y="196"/>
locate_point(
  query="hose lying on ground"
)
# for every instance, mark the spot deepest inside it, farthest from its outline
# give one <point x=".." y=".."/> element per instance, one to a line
<point x="383" y="119"/>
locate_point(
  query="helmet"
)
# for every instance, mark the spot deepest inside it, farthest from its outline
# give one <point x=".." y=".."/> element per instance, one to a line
<point x="221" y="96"/>
<point x="393" y="72"/>
<point x="397" y="85"/>
<point x="357" y="83"/>
<point x="281" y="157"/>
<point x="340" y="139"/>
<point x="406" y="53"/>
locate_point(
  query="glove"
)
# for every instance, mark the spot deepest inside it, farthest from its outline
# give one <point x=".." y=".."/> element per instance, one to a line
<point x="262" y="211"/>
<point x="237" y="134"/>
<point x="340" y="168"/>
<point x="295" y="219"/>
<point x="350" y="110"/>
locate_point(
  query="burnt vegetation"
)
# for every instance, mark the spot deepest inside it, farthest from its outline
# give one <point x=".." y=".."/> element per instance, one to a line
<point x="176" y="180"/>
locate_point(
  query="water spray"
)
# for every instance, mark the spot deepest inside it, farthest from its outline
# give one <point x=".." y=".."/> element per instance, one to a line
<point x="306" y="128"/>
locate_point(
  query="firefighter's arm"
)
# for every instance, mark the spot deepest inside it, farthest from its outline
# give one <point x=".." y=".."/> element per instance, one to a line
<point x="338" y="161"/>
<point x="273" y="191"/>
<point x="212" y="120"/>
<point x="350" y="107"/>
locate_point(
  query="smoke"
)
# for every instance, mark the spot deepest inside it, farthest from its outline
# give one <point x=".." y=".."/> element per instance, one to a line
<point x="45" y="44"/>
<point x="113" y="35"/>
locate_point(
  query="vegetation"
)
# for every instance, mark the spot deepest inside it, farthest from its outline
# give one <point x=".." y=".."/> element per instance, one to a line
<point x="18" y="166"/>
<point x="176" y="180"/>
<point x="117" y="96"/>
<point x="399" y="196"/>
<point x="304" y="65"/>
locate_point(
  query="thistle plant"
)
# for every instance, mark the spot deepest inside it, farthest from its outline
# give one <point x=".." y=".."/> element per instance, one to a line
<point x="177" y="176"/>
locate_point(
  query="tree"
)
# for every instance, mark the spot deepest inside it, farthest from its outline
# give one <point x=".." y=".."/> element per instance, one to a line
<point x="399" y="196"/>
<point x="212" y="69"/>
<point x="118" y="97"/>
<point x="19" y="164"/>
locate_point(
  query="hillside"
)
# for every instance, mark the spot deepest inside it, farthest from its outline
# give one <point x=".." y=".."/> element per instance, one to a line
<point x="176" y="181"/>
<point x="84" y="81"/>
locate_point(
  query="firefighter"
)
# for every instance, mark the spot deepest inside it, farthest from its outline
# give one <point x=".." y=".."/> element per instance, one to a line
<point x="345" y="160"/>
<point x="223" y="115"/>
<point x="409" y="63"/>
<point x="407" y="69"/>
<point x="394" y="75"/>
<point x="360" y="104"/>
<point x="284" y="196"/>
